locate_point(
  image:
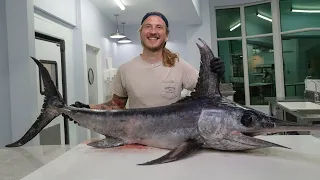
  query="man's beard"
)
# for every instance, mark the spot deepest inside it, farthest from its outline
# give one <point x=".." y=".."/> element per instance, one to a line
<point x="153" y="49"/>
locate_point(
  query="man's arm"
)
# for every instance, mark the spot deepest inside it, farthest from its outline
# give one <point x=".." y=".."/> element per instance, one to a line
<point x="116" y="102"/>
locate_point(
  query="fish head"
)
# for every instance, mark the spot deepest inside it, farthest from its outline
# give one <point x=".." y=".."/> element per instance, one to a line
<point x="233" y="128"/>
<point x="251" y="122"/>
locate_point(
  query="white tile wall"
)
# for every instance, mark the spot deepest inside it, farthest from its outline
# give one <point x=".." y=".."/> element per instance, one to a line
<point x="310" y="86"/>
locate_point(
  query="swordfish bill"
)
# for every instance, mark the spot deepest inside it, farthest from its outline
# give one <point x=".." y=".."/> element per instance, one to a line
<point x="205" y="119"/>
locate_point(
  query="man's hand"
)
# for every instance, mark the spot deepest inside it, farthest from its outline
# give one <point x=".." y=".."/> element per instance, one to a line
<point x="78" y="104"/>
<point x="217" y="65"/>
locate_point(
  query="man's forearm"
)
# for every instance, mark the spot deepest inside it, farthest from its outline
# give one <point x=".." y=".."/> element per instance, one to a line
<point x="115" y="103"/>
<point x="107" y="105"/>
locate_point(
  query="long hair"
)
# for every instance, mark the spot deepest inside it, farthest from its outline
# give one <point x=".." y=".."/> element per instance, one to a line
<point x="169" y="57"/>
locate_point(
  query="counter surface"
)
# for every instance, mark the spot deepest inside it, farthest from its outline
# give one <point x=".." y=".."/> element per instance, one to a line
<point x="86" y="163"/>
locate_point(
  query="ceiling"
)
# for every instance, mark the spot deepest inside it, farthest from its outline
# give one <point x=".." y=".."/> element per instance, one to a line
<point x="176" y="11"/>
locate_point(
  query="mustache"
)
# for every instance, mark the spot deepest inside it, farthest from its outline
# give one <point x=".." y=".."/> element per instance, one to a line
<point x="153" y="37"/>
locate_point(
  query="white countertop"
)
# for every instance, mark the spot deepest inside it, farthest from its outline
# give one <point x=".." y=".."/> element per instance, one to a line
<point x="85" y="163"/>
<point x="300" y="105"/>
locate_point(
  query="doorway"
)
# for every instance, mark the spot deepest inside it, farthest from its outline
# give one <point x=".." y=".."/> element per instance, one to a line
<point x="91" y="56"/>
<point x="92" y="78"/>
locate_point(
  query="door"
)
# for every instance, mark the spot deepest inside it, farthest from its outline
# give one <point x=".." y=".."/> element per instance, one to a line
<point x="91" y="54"/>
<point x="92" y="57"/>
<point x="50" y="56"/>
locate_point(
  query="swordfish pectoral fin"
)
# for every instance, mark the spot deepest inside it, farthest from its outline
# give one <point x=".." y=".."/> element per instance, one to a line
<point x="108" y="142"/>
<point x="179" y="152"/>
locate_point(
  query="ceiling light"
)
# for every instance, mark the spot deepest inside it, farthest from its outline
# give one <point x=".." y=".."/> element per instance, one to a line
<point x="117" y="34"/>
<point x="234" y="27"/>
<point x="264" y="17"/>
<point x="120" y="4"/>
<point x="125" y="39"/>
<point x="305" y="11"/>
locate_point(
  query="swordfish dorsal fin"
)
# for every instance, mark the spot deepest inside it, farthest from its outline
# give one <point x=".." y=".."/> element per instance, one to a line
<point x="208" y="81"/>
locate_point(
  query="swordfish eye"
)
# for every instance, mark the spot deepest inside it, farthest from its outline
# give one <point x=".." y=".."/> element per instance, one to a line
<point x="248" y="119"/>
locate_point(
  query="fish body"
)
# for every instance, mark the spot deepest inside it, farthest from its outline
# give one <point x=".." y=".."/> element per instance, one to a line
<point x="161" y="127"/>
<point x="203" y="120"/>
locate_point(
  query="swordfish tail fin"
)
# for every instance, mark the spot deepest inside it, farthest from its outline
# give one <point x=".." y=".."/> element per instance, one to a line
<point x="50" y="108"/>
<point x="208" y="81"/>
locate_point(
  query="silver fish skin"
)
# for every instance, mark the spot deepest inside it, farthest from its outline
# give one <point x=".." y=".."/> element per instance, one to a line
<point x="203" y="120"/>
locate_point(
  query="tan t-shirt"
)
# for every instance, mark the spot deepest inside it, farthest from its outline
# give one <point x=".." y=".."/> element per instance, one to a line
<point x="149" y="85"/>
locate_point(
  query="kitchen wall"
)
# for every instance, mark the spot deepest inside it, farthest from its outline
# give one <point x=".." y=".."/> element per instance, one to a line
<point x="5" y="121"/>
<point x="62" y="9"/>
<point x="96" y="30"/>
<point x="200" y="31"/>
<point x="92" y="28"/>
<point x="23" y="93"/>
<point x="197" y="4"/>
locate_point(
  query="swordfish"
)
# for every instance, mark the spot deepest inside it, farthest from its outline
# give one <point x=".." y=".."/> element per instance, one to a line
<point x="205" y="119"/>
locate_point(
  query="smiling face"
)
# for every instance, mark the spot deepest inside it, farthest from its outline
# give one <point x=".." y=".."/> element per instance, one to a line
<point x="153" y="33"/>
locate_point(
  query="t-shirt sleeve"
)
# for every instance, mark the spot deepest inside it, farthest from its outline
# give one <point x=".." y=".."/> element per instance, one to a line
<point x="189" y="76"/>
<point x="118" y="87"/>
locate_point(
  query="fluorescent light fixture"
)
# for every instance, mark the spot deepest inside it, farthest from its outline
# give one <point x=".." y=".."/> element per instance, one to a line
<point x="124" y="40"/>
<point x="305" y="11"/>
<point x="264" y="17"/>
<point x="234" y="27"/>
<point x="120" y="4"/>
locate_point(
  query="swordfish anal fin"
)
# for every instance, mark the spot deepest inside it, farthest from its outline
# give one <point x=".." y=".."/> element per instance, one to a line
<point x="208" y="81"/>
<point x="179" y="152"/>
